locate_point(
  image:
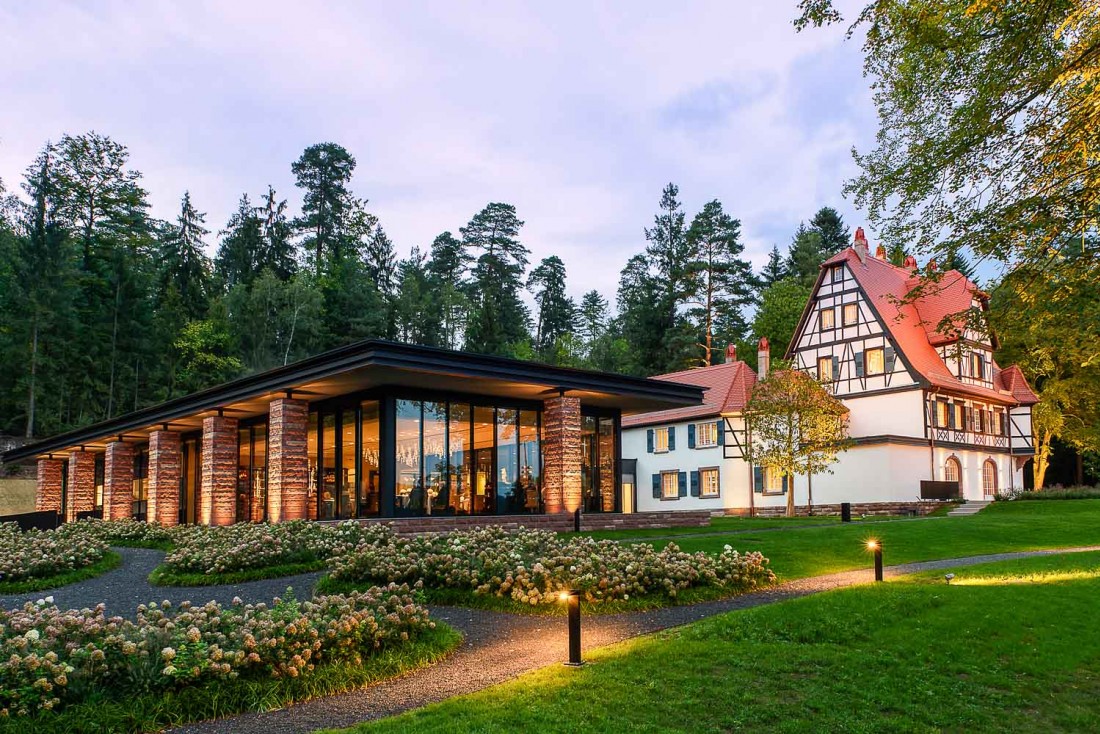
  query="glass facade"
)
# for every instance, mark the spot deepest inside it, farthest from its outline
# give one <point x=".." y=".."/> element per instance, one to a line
<point x="599" y="459"/>
<point x="141" y="482"/>
<point x="100" y="476"/>
<point x="190" y="472"/>
<point x="446" y="458"/>
<point x="252" y="473"/>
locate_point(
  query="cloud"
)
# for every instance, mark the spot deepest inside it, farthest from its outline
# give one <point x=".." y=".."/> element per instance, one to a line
<point x="577" y="113"/>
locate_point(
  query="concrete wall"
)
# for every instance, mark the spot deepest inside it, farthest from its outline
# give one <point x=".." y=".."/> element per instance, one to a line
<point x="16" y="496"/>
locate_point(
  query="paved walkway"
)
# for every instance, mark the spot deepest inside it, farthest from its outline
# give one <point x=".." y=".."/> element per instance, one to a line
<point x="500" y="646"/>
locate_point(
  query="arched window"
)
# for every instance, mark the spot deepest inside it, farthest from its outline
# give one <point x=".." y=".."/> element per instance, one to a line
<point x="951" y="470"/>
<point x="989" y="478"/>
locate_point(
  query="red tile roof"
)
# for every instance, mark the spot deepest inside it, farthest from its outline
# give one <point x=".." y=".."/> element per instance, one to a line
<point x="727" y="390"/>
<point x="912" y="323"/>
<point x="1014" y="381"/>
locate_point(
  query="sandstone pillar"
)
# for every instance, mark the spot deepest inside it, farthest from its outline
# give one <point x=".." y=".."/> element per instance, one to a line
<point x="118" y="481"/>
<point x="47" y="492"/>
<point x="81" y="489"/>
<point x="287" y="459"/>
<point x="218" y="475"/>
<point x="165" y="460"/>
<point x="561" y="451"/>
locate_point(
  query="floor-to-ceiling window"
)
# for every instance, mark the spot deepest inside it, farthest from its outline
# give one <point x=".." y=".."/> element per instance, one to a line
<point x="344" y="449"/>
<point x="599" y="458"/>
<point x="100" y="476"/>
<point x="141" y="482"/>
<point x="252" y="473"/>
<point x="460" y="462"/>
<point x="326" y="509"/>
<point x="530" y="462"/>
<point x="507" y="473"/>
<point x="484" y="484"/>
<point x="191" y="460"/>
<point x="371" y="454"/>
<point x="409" y="494"/>
<point x="437" y="497"/>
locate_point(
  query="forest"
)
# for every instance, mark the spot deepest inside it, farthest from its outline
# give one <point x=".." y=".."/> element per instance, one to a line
<point x="105" y="309"/>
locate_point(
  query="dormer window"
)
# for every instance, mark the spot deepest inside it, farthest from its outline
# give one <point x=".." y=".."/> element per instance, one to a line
<point x="827" y="319"/>
<point x="977" y="365"/>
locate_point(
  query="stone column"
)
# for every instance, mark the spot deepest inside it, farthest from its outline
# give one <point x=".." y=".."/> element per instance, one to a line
<point x="165" y="460"/>
<point x="287" y="459"/>
<point x="81" y="489"/>
<point x="561" y="451"/>
<point x="218" y="497"/>
<point x="118" y="481"/>
<point x="47" y="492"/>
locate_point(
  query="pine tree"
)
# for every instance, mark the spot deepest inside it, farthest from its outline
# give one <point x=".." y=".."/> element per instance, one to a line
<point x="447" y="267"/>
<point x="719" y="283"/>
<point x="184" y="265"/>
<point x="239" y="254"/>
<point x="642" y="320"/>
<point x="556" y="310"/>
<point x="499" y="319"/>
<point x="958" y="261"/>
<point x="834" y="234"/>
<point x="412" y="313"/>
<point x="323" y="172"/>
<point x="775" y="270"/>
<point x="277" y="253"/>
<point x="381" y="261"/>
<point x="804" y="258"/>
<point x="592" y="319"/>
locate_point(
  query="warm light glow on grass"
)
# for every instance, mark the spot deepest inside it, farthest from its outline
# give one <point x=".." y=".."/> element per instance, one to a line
<point x="1053" y="577"/>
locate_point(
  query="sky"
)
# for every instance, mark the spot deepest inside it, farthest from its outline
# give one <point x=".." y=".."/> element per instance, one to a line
<point x="576" y="113"/>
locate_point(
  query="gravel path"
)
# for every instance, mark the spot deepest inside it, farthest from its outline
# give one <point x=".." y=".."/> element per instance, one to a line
<point x="124" y="588"/>
<point x="500" y="646"/>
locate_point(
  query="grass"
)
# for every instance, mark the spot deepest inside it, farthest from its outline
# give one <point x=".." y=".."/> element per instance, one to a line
<point x="109" y="562"/>
<point x="155" y="712"/>
<point x="1017" y="652"/>
<point x="490" y="602"/>
<point x="164" y="576"/>
<point x="1001" y="527"/>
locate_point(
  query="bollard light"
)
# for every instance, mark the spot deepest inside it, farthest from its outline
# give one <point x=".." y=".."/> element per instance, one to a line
<point x="572" y="599"/>
<point x="875" y="546"/>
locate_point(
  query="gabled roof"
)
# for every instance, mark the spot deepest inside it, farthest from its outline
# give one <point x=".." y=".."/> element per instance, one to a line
<point x="912" y="323"/>
<point x="1012" y="377"/>
<point x="727" y="388"/>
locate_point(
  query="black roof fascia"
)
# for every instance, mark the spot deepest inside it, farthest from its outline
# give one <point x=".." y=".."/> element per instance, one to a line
<point x="361" y="354"/>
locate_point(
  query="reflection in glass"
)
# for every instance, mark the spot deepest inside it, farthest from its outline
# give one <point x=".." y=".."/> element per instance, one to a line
<point x="141" y="481"/>
<point x="460" y="456"/>
<point x="589" y="455"/>
<point x="368" y="483"/>
<point x="530" y="469"/>
<point x="259" y="472"/>
<point x="100" y="473"/>
<point x="437" y="498"/>
<point x="346" y="477"/>
<point x="244" y="472"/>
<point x="409" y="498"/>
<point x="314" y="474"/>
<point x="326" y="510"/>
<point x="507" y="473"/>
<point x="484" y="482"/>
<point x="607" y="463"/>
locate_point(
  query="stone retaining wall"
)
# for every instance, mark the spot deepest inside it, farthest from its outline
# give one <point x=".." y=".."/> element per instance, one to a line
<point x="858" y="508"/>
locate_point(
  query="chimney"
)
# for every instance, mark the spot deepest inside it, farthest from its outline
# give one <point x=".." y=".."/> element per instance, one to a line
<point x="860" y="245"/>
<point x="731" y="353"/>
<point x="880" y="252"/>
<point x="910" y="263"/>
<point x="763" y="358"/>
<point x="932" y="265"/>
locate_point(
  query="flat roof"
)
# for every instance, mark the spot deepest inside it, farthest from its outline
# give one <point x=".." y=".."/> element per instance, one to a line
<point x="375" y="363"/>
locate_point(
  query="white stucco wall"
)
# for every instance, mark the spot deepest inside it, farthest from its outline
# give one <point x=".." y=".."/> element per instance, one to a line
<point x="889" y="414"/>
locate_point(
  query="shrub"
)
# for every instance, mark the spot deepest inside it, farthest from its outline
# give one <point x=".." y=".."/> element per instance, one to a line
<point x="50" y="658"/>
<point x="534" y="566"/>
<point x="44" y="553"/>
<point x="1068" y="493"/>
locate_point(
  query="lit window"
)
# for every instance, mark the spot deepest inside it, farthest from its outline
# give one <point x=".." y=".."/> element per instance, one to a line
<point x="977" y="365"/>
<point x="941" y="413"/>
<point x="660" y="440"/>
<point x="708" y="482"/>
<point x="989" y="478"/>
<point x="773" y="479"/>
<point x="875" y="361"/>
<point x="850" y="315"/>
<point x="828" y="318"/>
<point x="670" y="485"/>
<point x="951" y="470"/>
<point x="960" y="417"/>
<point x="825" y="368"/>
<point x="706" y="435"/>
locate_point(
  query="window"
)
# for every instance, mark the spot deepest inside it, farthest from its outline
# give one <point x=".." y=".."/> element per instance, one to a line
<point x="708" y="482"/>
<point x="827" y="317"/>
<point x="875" y="361"/>
<point x="941" y="413"/>
<point x="977" y="365"/>
<point x="670" y="485"/>
<point x="660" y="440"/>
<point x="825" y="368"/>
<point x="836" y="274"/>
<point x="706" y="435"/>
<point x="850" y="315"/>
<point x="979" y="420"/>
<point x="960" y="416"/>
<point x="774" y="480"/>
<point x="989" y="478"/>
<point x="951" y="470"/>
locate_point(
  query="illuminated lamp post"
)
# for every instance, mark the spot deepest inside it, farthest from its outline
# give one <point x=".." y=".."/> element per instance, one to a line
<point x="875" y="546"/>
<point x="572" y="599"/>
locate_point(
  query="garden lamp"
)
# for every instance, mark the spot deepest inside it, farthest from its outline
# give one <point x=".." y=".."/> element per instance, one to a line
<point x="875" y="546"/>
<point x="572" y="599"/>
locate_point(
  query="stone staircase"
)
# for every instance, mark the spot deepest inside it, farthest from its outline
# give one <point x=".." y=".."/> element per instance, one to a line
<point x="972" y="507"/>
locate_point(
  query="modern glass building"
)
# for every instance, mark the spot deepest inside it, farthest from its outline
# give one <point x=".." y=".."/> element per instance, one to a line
<point x="371" y="430"/>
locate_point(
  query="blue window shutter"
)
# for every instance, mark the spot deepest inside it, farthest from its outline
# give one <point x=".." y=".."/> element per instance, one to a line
<point x="695" y="484"/>
<point x="859" y="364"/>
<point x="720" y="427"/>
<point x="683" y="477"/>
<point x="1004" y="423"/>
<point x="836" y="368"/>
<point x="672" y="438"/>
<point x="649" y="441"/>
<point x="691" y="435"/>
<point x="786" y="483"/>
<point x="656" y="486"/>
<point x="890" y="356"/>
<point x="758" y="479"/>
<point x="951" y="416"/>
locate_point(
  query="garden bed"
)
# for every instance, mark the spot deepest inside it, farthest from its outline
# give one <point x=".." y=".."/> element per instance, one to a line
<point x="529" y="569"/>
<point x="46" y="559"/>
<point x="82" y="671"/>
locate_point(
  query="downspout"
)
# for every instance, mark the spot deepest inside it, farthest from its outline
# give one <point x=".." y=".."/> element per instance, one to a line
<point x="752" y="477"/>
<point x="931" y="423"/>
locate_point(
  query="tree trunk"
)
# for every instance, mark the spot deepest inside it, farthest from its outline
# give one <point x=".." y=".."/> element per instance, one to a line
<point x="1042" y="459"/>
<point x="34" y="374"/>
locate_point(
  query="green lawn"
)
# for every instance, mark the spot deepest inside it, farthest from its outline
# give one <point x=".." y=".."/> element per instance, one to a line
<point x="1007" y="647"/>
<point x="1003" y="526"/>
